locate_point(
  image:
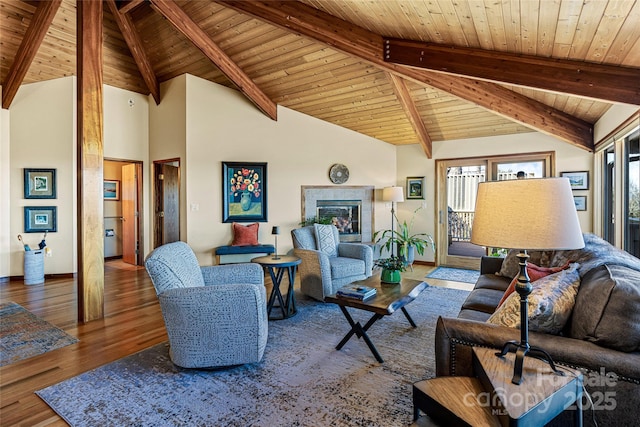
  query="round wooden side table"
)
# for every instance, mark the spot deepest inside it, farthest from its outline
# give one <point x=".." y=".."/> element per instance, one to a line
<point x="276" y="266"/>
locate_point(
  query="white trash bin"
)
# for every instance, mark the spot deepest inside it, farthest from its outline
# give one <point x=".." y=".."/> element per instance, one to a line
<point x="34" y="267"/>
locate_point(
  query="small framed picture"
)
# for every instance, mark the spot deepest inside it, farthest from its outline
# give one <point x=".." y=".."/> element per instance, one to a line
<point x="38" y="219"/>
<point x="39" y="183"/>
<point x="111" y="189"/>
<point x="415" y="187"/>
<point x="581" y="202"/>
<point x="578" y="180"/>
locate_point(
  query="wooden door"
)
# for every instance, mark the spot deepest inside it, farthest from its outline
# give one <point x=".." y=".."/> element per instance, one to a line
<point x="129" y="199"/>
<point x="166" y="202"/>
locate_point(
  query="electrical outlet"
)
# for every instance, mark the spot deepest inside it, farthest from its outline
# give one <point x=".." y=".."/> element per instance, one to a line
<point x="195" y="207"/>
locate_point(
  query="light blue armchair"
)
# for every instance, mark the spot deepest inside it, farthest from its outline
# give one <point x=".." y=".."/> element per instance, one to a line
<point x="215" y="316"/>
<point x="328" y="264"/>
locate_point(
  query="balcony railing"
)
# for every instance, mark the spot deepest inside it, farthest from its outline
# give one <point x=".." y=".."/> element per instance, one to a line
<point x="460" y="223"/>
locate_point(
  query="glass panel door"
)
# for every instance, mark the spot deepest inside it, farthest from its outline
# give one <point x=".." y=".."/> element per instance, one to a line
<point x="632" y="208"/>
<point x="457" y="199"/>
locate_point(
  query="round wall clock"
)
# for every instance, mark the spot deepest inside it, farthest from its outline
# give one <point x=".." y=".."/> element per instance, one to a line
<point x="338" y="173"/>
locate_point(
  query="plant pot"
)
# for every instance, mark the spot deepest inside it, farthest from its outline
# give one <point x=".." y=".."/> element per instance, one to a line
<point x="390" y="276"/>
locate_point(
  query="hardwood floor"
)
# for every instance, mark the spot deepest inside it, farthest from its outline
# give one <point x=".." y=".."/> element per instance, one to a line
<point x="132" y="323"/>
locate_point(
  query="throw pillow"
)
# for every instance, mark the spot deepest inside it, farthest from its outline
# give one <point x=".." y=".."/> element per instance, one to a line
<point x="607" y="311"/>
<point x="245" y="236"/>
<point x="535" y="273"/>
<point x="550" y="303"/>
<point x="510" y="267"/>
<point x="325" y="239"/>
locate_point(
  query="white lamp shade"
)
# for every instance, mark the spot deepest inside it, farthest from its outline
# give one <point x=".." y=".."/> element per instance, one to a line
<point x="392" y="194"/>
<point x="535" y="214"/>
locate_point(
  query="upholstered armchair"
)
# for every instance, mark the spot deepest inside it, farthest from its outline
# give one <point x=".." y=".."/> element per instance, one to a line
<point x="215" y="316"/>
<point x="327" y="264"/>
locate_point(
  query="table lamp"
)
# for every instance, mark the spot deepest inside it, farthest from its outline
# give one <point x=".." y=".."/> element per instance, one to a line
<point x="529" y="214"/>
<point x="392" y="194"/>
<point x="275" y="231"/>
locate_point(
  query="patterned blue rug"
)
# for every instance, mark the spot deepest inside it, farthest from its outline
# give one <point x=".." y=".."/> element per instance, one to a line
<point x="301" y="381"/>
<point x="455" y="274"/>
<point x="24" y="335"/>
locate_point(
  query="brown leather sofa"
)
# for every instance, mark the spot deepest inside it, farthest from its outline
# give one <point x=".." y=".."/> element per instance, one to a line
<point x="602" y="337"/>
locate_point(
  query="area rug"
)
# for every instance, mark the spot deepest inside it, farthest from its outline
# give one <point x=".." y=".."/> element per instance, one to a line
<point x="24" y="335"/>
<point x="455" y="274"/>
<point x="301" y="381"/>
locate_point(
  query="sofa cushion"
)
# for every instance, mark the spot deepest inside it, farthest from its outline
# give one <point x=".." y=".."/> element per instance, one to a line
<point x="511" y="267"/>
<point x="483" y="300"/>
<point x="535" y="273"/>
<point x="596" y="252"/>
<point x="325" y="239"/>
<point x="345" y="267"/>
<point x="607" y="310"/>
<point x="550" y="303"/>
<point x="491" y="281"/>
<point x="245" y="235"/>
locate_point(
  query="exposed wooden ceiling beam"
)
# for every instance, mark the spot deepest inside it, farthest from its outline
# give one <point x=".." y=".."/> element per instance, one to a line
<point x="137" y="50"/>
<point x="126" y="6"/>
<point x="404" y="96"/>
<point x="599" y="81"/>
<point x="42" y="18"/>
<point x="353" y="40"/>
<point x="183" y="23"/>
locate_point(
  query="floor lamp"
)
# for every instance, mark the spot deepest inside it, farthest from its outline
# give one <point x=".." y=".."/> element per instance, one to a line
<point x="529" y="214"/>
<point x="394" y="195"/>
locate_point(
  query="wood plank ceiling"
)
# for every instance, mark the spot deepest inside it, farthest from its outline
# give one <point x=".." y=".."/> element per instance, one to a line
<point x="325" y="59"/>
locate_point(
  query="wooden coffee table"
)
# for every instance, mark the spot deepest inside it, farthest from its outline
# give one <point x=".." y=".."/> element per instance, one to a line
<point x="388" y="299"/>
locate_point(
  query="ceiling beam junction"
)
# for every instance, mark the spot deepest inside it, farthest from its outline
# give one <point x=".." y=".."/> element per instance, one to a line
<point x="137" y="49"/>
<point x="368" y="46"/>
<point x="184" y="24"/>
<point x="597" y="81"/>
<point x="404" y="96"/>
<point x="42" y="18"/>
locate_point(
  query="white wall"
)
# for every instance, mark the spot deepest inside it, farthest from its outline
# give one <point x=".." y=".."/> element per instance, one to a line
<point x="5" y="185"/>
<point x="126" y="137"/>
<point x="42" y="122"/>
<point x="615" y="116"/>
<point x="413" y="162"/>
<point x="299" y="150"/>
<point x="168" y="139"/>
<point x="42" y="135"/>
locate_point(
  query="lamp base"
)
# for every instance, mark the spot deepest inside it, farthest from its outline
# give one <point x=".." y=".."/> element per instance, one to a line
<point x="275" y="257"/>
<point x="522" y="350"/>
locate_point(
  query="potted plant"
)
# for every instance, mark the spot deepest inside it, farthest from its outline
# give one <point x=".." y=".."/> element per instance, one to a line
<point x="391" y="268"/>
<point x="405" y="240"/>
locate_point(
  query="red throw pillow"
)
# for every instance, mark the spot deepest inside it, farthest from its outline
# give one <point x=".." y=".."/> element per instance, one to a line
<point x="535" y="273"/>
<point x="245" y="236"/>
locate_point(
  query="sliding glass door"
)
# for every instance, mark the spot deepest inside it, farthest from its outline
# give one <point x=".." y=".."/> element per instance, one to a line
<point x="457" y="183"/>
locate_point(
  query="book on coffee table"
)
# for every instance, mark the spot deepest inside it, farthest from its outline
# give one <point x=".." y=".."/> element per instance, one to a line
<point x="356" y="291"/>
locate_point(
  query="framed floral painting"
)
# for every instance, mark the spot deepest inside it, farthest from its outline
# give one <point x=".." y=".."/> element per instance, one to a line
<point x="244" y="195"/>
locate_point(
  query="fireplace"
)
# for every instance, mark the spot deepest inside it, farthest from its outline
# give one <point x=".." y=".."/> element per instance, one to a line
<point x="351" y="206"/>
<point x="345" y="215"/>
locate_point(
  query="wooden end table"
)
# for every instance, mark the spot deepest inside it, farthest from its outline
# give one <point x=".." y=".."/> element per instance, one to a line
<point x="276" y="266"/>
<point x="388" y="299"/>
<point x="491" y="399"/>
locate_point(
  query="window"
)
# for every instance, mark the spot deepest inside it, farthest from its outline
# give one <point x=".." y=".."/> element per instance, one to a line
<point x="619" y="160"/>
<point x="632" y="194"/>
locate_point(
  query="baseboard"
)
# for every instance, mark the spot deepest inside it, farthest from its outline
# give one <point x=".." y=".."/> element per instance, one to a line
<point x="46" y="276"/>
<point x="427" y="263"/>
<point x="111" y="258"/>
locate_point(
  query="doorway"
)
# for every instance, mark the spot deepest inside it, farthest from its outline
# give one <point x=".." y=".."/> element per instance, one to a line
<point x="123" y="211"/>
<point x="457" y="183"/>
<point x="166" y="182"/>
<point x="457" y="188"/>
